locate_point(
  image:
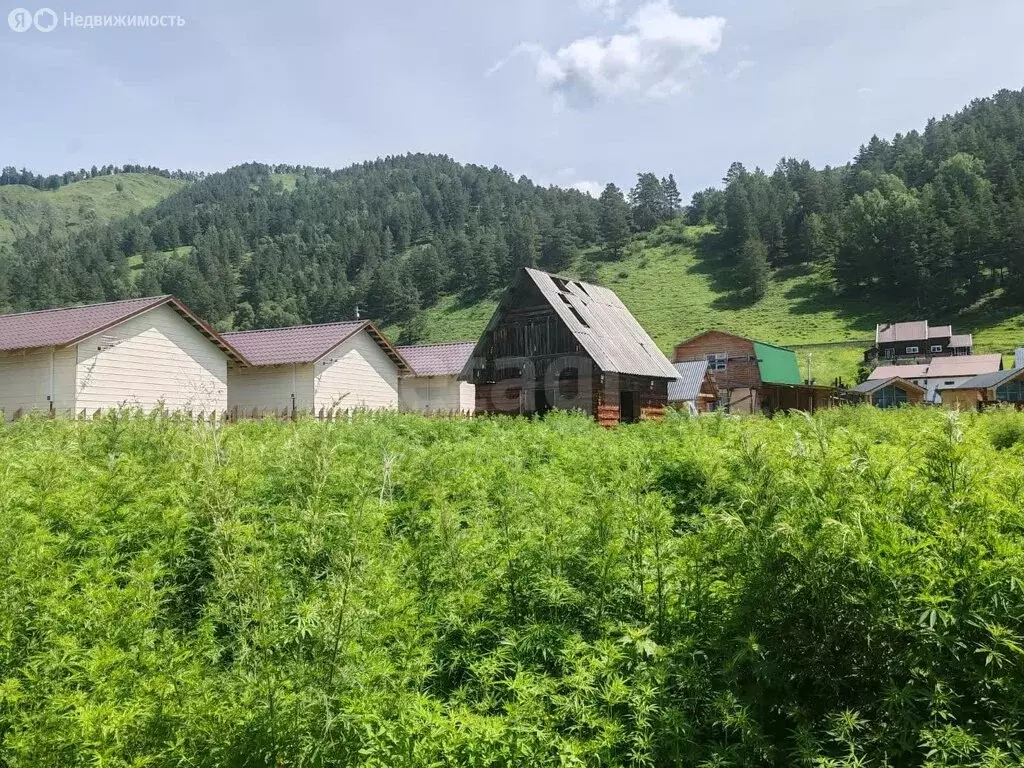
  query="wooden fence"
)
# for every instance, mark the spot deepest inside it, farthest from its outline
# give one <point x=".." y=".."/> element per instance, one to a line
<point x="235" y="414"/>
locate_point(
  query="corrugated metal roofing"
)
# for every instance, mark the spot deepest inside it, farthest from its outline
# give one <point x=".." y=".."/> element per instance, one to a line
<point x="444" y="359"/>
<point x="776" y="364"/>
<point x="940" y="332"/>
<point x="300" y="344"/>
<point x="691" y="378"/>
<point x="942" y="367"/>
<point x="871" y="385"/>
<point x="601" y="324"/>
<point x="70" y="325"/>
<point x="990" y="380"/>
<point x="889" y="333"/>
<point x="961" y="341"/>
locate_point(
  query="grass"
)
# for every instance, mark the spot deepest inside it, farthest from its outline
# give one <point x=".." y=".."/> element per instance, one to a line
<point x="23" y="209"/>
<point x="842" y="590"/>
<point x="676" y="289"/>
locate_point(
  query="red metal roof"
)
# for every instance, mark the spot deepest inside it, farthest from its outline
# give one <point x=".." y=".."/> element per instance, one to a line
<point x="300" y="344"/>
<point x="70" y="325"/>
<point x="444" y="359"/>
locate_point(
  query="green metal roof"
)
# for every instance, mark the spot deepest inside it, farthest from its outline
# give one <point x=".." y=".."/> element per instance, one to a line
<point x="777" y="365"/>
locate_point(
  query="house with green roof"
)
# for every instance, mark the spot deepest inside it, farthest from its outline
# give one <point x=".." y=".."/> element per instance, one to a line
<point x="754" y="376"/>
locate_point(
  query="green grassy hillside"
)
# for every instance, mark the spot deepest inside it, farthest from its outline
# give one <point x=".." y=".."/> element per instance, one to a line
<point x="676" y="289"/>
<point x="23" y="209"/>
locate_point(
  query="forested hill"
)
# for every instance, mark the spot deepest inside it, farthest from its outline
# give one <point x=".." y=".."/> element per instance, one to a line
<point x="927" y="223"/>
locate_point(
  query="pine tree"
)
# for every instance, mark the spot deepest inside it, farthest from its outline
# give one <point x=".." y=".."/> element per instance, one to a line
<point x="613" y="221"/>
<point x="673" y="199"/>
<point x="648" y="201"/>
<point x="753" y="266"/>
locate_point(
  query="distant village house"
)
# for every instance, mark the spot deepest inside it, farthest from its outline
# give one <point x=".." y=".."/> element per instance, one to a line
<point x="753" y="376"/>
<point x="941" y="373"/>
<point x="1006" y="387"/>
<point x="890" y="393"/>
<point x="917" y="339"/>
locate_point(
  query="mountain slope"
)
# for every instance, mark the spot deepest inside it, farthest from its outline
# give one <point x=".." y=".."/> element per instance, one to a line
<point x="673" y="285"/>
<point x="23" y="209"/>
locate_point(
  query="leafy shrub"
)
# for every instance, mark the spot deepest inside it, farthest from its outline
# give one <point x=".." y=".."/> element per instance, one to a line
<point x="843" y="590"/>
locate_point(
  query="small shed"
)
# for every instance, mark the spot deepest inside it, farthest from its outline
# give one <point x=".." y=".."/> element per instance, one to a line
<point x="310" y="368"/>
<point x="433" y="385"/>
<point x="695" y="389"/>
<point x="987" y="389"/>
<point x="556" y="343"/>
<point x="140" y="353"/>
<point x="890" y="393"/>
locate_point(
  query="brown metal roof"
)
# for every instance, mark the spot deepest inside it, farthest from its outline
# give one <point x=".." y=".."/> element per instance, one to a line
<point x="602" y="325"/>
<point x="942" y="367"/>
<point x="299" y="344"/>
<point x="891" y="333"/>
<point x="71" y="325"/>
<point x="940" y="332"/>
<point x="961" y="341"/>
<point x="444" y="359"/>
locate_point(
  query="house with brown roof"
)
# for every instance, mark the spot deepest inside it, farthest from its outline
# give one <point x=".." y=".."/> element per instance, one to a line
<point x="987" y="389"/>
<point x="917" y="340"/>
<point x="941" y="373"/>
<point x="560" y="344"/>
<point x="140" y="353"/>
<point x="433" y="386"/>
<point x="314" y="369"/>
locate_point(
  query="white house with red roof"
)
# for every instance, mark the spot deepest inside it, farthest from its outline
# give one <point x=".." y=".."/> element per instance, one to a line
<point x="434" y="386"/>
<point x="314" y="368"/>
<point x="140" y="353"/>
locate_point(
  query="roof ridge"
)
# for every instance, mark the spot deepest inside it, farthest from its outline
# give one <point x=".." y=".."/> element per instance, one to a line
<point x="87" y="306"/>
<point x="295" y="327"/>
<point x="435" y="344"/>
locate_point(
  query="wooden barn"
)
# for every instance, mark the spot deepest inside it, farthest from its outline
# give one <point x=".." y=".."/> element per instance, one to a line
<point x="555" y="343"/>
<point x="138" y="353"/>
<point x="890" y="393"/>
<point x="314" y="368"/>
<point x="753" y="376"/>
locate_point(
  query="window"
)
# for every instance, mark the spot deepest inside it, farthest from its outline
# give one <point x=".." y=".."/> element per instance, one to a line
<point x="718" y="361"/>
<point x="1011" y="392"/>
<point x="890" y="352"/>
<point x="936" y="347"/>
<point x="913" y="350"/>
<point x="890" y="397"/>
<point x="948" y="383"/>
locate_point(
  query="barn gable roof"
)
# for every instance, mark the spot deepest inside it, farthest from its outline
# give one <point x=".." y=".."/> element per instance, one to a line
<point x="443" y="359"/>
<point x="299" y="344"/>
<point x="67" y="326"/>
<point x="599" y="322"/>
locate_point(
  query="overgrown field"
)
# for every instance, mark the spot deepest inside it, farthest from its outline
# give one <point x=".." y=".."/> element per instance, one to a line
<point x="846" y="590"/>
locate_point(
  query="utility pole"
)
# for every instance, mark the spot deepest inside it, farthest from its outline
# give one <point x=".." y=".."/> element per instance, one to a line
<point x="809" y="368"/>
<point x="357" y="311"/>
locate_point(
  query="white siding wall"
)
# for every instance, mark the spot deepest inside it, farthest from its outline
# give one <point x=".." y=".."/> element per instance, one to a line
<point x="356" y="374"/>
<point x="432" y="394"/>
<point x="154" y="358"/>
<point x="270" y="388"/>
<point x="26" y="378"/>
<point x="932" y="385"/>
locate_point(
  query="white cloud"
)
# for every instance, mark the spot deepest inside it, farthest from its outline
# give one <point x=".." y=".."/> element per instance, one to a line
<point x="652" y="57"/>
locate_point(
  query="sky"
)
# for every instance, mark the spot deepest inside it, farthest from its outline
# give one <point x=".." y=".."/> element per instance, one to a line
<point x="568" y="92"/>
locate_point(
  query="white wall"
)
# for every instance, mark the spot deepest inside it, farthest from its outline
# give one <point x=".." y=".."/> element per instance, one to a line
<point x="432" y="394"/>
<point x="932" y="384"/>
<point x="27" y="377"/>
<point x="270" y="388"/>
<point x="151" y="359"/>
<point x="356" y="374"/>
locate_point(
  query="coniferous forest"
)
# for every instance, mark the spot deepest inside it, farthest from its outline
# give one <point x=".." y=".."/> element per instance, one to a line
<point x="933" y="218"/>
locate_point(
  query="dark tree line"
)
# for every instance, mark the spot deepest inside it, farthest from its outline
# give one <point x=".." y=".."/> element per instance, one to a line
<point x="933" y="218"/>
<point x="388" y="237"/>
<point x="11" y="175"/>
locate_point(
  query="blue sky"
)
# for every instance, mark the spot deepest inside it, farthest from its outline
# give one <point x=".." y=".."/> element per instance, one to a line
<point x="573" y="92"/>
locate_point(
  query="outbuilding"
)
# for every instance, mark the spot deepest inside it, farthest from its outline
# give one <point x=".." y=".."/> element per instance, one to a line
<point x="987" y="389"/>
<point x="143" y="353"/>
<point x="433" y="385"/>
<point x="557" y="343"/>
<point x="890" y="393"/>
<point x="695" y="390"/>
<point x="314" y="369"/>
